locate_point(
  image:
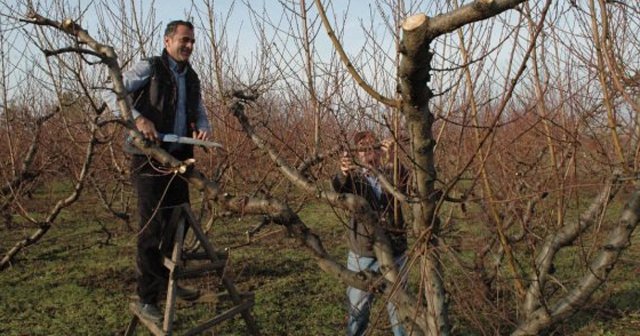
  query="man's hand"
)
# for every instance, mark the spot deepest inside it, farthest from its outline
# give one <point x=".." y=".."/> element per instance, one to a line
<point x="147" y="128"/>
<point x="346" y="164"/>
<point x="201" y="135"/>
<point x="387" y="146"/>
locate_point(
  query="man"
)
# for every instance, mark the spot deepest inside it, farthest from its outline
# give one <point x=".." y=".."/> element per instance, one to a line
<point x="359" y="181"/>
<point x="166" y="99"/>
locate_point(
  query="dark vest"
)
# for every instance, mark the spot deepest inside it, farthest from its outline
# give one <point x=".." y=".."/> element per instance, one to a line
<point x="157" y="101"/>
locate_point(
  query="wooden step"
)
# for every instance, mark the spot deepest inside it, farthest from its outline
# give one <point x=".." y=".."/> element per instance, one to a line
<point x="226" y="315"/>
<point x="168" y="263"/>
<point x="199" y="271"/>
<point x="153" y="328"/>
<point x="246" y="296"/>
<point x="220" y="255"/>
<point x="211" y="261"/>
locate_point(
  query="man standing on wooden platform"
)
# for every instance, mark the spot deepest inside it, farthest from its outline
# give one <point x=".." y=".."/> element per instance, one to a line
<point x="166" y="99"/>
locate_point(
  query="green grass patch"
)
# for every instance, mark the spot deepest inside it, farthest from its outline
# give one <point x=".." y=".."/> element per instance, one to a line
<point x="79" y="279"/>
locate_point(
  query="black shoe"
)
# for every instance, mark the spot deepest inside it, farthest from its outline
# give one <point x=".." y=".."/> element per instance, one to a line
<point x="187" y="294"/>
<point x="149" y="311"/>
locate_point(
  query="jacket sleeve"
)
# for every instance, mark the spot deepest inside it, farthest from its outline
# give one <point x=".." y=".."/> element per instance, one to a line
<point x="133" y="79"/>
<point x="202" y="123"/>
<point x="342" y="183"/>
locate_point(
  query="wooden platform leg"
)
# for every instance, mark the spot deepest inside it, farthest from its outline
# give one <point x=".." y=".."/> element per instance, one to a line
<point x="252" y="326"/>
<point x="131" y="328"/>
<point x="174" y="265"/>
<point x="181" y="220"/>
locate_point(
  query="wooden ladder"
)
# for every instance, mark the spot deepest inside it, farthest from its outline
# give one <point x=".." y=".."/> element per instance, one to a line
<point x="183" y="218"/>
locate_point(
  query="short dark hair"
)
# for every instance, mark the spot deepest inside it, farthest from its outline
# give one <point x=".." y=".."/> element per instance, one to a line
<point x="173" y="25"/>
<point x="358" y="136"/>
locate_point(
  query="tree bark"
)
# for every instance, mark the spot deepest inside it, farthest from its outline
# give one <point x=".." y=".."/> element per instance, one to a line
<point x="619" y="239"/>
<point x="414" y="76"/>
<point x="418" y="33"/>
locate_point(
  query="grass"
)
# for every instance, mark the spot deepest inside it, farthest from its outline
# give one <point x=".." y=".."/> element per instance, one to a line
<point x="70" y="283"/>
<point x="79" y="280"/>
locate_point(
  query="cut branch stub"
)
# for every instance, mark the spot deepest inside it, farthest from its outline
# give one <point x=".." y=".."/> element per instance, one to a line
<point x="416" y="62"/>
<point x="414" y="21"/>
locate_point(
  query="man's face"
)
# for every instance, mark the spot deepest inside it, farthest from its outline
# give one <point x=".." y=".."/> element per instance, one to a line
<point x="180" y="45"/>
<point x="367" y="153"/>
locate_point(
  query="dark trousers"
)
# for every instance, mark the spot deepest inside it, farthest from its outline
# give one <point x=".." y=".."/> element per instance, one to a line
<point x="158" y="194"/>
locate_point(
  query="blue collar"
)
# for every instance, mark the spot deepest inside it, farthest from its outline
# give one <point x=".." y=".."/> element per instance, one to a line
<point x="173" y="65"/>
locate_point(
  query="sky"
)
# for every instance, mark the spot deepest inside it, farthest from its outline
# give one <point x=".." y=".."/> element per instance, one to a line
<point x="235" y="14"/>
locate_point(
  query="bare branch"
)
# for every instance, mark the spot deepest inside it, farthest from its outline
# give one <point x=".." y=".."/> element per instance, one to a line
<point x="476" y="11"/>
<point x="345" y="60"/>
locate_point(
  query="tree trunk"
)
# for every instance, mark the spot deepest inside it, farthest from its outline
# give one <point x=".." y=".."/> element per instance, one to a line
<point x="414" y="76"/>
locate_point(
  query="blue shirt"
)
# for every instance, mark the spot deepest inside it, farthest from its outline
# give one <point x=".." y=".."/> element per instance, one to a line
<point x="375" y="184"/>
